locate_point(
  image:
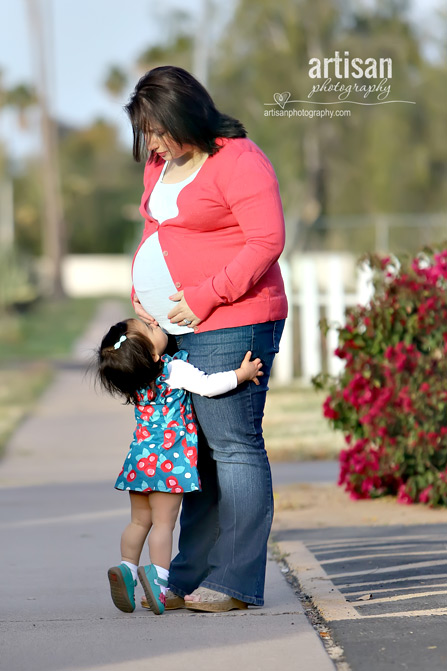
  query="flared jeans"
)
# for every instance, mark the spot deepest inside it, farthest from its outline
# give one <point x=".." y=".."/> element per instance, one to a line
<point x="225" y="527"/>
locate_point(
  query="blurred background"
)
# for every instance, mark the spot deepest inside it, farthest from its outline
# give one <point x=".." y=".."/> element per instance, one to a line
<point x="373" y="180"/>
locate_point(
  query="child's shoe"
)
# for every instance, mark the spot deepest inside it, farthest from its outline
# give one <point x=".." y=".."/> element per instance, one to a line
<point x="173" y="601"/>
<point x="122" y="587"/>
<point x="154" y="595"/>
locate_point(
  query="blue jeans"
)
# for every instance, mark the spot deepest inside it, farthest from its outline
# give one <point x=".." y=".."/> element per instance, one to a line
<point x="225" y="528"/>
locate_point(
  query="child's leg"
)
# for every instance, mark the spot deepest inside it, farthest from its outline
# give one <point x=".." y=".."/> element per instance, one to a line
<point x="135" y="534"/>
<point x="154" y="578"/>
<point x="164" y="508"/>
<point x="122" y="578"/>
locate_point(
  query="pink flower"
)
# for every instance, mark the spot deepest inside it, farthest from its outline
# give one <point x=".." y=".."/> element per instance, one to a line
<point x="169" y="438"/>
<point x="424" y="496"/>
<point x="142" y="464"/>
<point x="147" y="412"/>
<point x="355" y="496"/>
<point x="167" y="466"/>
<point x="403" y="496"/>
<point x="191" y="454"/>
<point x="142" y="433"/>
<point x="328" y="411"/>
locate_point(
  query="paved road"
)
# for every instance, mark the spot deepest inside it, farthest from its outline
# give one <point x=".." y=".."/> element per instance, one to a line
<point x="382" y="591"/>
<point x="288" y="473"/>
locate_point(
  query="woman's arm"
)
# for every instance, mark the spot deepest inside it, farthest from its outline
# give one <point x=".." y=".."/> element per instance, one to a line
<point x="254" y="199"/>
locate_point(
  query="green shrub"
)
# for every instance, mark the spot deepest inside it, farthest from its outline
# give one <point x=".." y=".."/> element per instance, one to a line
<point x="390" y="401"/>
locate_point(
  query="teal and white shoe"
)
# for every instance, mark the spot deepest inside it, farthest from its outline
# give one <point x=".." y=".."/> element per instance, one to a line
<point x="122" y="587"/>
<point x="154" y="595"/>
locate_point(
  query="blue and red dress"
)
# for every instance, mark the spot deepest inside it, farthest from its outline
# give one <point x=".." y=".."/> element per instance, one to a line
<point x="163" y="454"/>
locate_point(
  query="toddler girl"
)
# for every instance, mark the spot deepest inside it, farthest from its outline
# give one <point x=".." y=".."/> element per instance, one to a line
<point x="161" y="464"/>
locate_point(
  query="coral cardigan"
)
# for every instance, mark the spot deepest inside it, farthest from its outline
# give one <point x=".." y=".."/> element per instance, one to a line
<point x="222" y="247"/>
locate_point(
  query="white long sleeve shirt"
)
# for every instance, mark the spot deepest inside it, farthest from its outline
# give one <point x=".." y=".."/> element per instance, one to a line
<point x="183" y="375"/>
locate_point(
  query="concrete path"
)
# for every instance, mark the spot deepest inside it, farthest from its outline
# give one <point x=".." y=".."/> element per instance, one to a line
<point x="60" y="524"/>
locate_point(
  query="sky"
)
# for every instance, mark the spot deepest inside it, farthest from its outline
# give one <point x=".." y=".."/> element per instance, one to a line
<point x="89" y="37"/>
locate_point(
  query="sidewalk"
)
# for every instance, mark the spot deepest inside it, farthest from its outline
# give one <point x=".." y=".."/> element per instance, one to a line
<point x="61" y="523"/>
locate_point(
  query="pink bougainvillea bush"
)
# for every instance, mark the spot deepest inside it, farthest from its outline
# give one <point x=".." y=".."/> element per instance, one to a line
<point x="390" y="401"/>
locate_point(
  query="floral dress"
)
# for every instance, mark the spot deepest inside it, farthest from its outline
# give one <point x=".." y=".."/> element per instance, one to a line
<point x="163" y="453"/>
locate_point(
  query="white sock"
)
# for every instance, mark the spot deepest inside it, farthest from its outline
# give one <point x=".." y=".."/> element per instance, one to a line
<point x="133" y="568"/>
<point x="162" y="573"/>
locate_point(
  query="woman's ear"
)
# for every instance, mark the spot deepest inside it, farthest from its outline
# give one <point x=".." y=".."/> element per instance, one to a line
<point x="155" y="356"/>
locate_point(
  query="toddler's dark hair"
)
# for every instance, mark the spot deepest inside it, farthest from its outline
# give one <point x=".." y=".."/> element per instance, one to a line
<point x="130" y="367"/>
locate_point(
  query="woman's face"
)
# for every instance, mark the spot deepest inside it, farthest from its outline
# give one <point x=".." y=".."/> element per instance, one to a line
<point x="160" y="142"/>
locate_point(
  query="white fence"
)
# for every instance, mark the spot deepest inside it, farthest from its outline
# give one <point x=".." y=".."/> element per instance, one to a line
<point x="97" y="275"/>
<point x="317" y="285"/>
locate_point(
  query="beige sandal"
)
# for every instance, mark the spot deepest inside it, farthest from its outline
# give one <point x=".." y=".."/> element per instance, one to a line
<point x="211" y="601"/>
<point x="173" y="602"/>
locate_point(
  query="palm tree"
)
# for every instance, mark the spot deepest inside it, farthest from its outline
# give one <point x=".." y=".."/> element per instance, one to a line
<point x="53" y="230"/>
<point x="116" y="82"/>
<point x="21" y="98"/>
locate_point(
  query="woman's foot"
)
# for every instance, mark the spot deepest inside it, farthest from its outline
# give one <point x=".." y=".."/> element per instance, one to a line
<point x="173" y="601"/>
<point x="152" y="586"/>
<point x="122" y="587"/>
<point x="210" y="601"/>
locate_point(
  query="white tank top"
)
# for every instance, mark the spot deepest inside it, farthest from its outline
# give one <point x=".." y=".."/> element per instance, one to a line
<point x="152" y="280"/>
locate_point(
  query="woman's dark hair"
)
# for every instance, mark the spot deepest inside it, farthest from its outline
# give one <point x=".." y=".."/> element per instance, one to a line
<point x="130" y="367"/>
<point x="171" y="98"/>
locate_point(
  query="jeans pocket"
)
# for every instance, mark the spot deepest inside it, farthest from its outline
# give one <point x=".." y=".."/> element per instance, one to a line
<point x="278" y="328"/>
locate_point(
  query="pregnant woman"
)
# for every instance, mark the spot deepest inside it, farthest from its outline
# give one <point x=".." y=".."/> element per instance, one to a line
<point x="206" y="271"/>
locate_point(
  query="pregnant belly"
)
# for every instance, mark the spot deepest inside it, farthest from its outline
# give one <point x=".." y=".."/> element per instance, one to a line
<point x="153" y="284"/>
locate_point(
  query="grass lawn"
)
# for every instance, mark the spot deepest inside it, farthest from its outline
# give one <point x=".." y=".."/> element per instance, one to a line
<point x="19" y="388"/>
<point x="28" y="344"/>
<point x="294" y="426"/>
<point x="46" y="331"/>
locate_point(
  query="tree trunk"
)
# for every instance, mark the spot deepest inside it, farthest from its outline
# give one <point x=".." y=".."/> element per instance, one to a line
<point x="53" y="227"/>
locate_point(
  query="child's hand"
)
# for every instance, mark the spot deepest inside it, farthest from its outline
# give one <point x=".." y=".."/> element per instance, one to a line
<point x="249" y="370"/>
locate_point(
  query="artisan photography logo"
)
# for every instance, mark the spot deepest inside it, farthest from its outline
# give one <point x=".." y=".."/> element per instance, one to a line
<point x="339" y="77"/>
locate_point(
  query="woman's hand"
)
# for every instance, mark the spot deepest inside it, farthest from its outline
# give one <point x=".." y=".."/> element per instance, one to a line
<point x="182" y="311"/>
<point x="249" y="370"/>
<point x="141" y="312"/>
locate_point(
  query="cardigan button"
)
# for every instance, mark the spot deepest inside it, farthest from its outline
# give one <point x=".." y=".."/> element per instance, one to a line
<point x="178" y="285"/>
<point x="165" y="253"/>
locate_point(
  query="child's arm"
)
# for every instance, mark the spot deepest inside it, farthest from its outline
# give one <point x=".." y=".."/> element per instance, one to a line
<point x="183" y="375"/>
